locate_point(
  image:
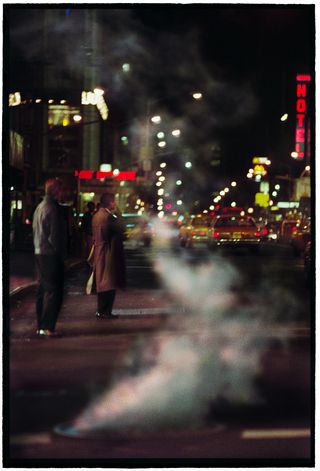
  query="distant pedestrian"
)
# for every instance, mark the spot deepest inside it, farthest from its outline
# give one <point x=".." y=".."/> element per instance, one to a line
<point x="50" y="250"/>
<point x="86" y="227"/>
<point x="108" y="258"/>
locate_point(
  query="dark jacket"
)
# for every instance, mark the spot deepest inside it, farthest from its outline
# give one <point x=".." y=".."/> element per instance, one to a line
<point x="109" y="261"/>
<point x="48" y="229"/>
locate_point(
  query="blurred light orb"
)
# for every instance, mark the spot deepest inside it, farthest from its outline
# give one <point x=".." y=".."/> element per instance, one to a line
<point x="160" y="135"/>
<point x="98" y="91"/>
<point x="126" y="67"/>
<point x="162" y="144"/>
<point x="307" y="169"/>
<point x="294" y="154"/>
<point x="159" y="173"/>
<point x="77" y="118"/>
<point x="160" y="214"/>
<point x="233" y="183"/>
<point x="222" y="193"/>
<point x="158" y="183"/>
<point x="162" y="179"/>
<point x="156" y="119"/>
<point x="205" y="211"/>
<point x="124" y="140"/>
<point x="284" y="117"/>
<point x="233" y="204"/>
<point x="249" y="175"/>
<point x="176" y="132"/>
<point x="242" y="213"/>
<point x="250" y="210"/>
<point x="268" y="162"/>
<point x="178" y="182"/>
<point x="197" y="95"/>
<point x="179" y="202"/>
<point x="188" y="164"/>
<point x="226" y="190"/>
<point x="160" y="192"/>
<point x="116" y="172"/>
<point x="163" y="165"/>
<point x="277" y="187"/>
<point x="274" y="193"/>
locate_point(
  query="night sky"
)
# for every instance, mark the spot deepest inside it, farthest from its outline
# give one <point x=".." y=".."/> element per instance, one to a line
<point x="244" y="59"/>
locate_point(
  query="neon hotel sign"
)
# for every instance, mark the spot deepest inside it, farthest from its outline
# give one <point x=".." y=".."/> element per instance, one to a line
<point x="301" y="115"/>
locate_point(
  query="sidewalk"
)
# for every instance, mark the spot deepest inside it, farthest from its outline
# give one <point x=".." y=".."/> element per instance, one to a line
<point x="23" y="271"/>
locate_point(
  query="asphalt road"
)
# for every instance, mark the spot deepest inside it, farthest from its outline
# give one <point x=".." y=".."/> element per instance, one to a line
<point x="209" y="363"/>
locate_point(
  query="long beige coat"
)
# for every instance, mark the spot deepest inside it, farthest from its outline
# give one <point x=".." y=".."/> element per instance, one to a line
<point x="108" y="262"/>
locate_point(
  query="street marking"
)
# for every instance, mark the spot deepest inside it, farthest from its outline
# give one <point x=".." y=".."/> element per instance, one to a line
<point x="31" y="439"/>
<point x="275" y="433"/>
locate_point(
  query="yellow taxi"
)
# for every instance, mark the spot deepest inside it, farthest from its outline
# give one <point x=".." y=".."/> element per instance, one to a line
<point x="195" y="230"/>
<point x="234" y="231"/>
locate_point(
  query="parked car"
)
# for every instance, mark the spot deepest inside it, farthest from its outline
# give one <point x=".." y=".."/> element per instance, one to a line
<point x="194" y="231"/>
<point x="137" y="228"/>
<point x="301" y="235"/>
<point x="234" y="231"/>
<point x="271" y="231"/>
<point x="288" y="226"/>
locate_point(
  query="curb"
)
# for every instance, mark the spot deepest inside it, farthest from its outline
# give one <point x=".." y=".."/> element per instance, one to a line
<point x="25" y="289"/>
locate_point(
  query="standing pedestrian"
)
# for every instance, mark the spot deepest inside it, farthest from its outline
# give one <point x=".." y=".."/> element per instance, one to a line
<point x="86" y="227"/>
<point x="108" y="259"/>
<point x="50" y="250"/>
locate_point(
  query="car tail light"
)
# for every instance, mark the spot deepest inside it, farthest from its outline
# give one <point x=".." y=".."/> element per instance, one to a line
<point x="257" y="234"/>
<point x="215" y="234"/>
<point x="264" y="231"/>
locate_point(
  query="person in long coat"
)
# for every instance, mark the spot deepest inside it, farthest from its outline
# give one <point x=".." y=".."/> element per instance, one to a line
<point x="108" y="257"/>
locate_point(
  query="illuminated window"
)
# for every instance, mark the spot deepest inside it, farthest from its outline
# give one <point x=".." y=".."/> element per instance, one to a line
<point x="61" y="115"/>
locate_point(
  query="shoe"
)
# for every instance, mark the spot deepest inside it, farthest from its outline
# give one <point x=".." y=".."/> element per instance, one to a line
<point x="47" y="333"/>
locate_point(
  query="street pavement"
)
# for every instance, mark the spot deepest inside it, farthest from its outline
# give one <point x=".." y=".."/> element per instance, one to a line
<point x="50" y="382"/>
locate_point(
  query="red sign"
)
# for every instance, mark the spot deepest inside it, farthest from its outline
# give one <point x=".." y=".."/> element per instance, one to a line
<point x="99" y="175"/>
<point x="301" y="114"/>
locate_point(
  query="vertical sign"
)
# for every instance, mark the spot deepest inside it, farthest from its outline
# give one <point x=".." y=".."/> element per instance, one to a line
<point x="301" y="115"/>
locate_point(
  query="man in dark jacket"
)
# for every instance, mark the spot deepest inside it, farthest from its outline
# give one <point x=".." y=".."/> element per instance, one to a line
<point x="50" y="250"/>
<point x="109" y="262"/>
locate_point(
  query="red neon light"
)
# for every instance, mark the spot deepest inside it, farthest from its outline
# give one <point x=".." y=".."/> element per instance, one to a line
<point x="101" y="174"/>
<point x="126" y="176"/>
<point x="90" y="174"/>
<point x="86" y="174"/>
<point x="303" y="78"/>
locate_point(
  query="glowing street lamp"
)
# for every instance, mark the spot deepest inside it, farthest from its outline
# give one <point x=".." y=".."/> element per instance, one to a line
<point x="197" y="95"/>
<point x="233" y="183"/>
<point x="188" y="164"/>
<point x="156" y="119"/>
<point x="77" y="118"/>
<point x="176" y="132"/>
<point x="162" y="144"/>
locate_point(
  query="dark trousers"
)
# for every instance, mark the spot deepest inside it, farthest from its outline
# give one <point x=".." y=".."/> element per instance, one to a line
<point x="105" y="301"/>
<point x="50" y="290"/>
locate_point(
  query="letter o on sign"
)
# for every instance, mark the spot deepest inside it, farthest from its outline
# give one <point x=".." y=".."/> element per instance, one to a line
<point x="301" y="106"/>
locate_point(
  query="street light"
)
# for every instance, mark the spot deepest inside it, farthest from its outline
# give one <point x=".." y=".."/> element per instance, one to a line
<point x="197" y="95"/>
<point x="156" y="119"/>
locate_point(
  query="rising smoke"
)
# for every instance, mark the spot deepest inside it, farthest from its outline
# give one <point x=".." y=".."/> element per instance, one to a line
<point x="209" y="351"/>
